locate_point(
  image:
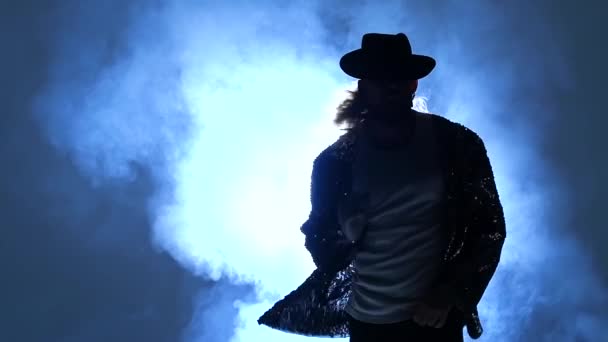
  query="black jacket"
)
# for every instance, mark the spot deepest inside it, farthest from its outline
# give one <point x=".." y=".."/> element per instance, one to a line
<point x="474" y="222"/>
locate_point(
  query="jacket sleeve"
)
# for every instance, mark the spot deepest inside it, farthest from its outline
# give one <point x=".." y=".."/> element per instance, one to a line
<point x="323" y="236"/>
<point x="488" y="229"/>
<point x="472" y="271"/>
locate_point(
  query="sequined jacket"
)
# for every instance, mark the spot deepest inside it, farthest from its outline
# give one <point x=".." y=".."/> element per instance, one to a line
<point x="474" y="223"/>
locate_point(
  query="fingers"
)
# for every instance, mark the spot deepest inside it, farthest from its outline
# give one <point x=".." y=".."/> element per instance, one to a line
<point x="420" y="315"/>
<point x="433" y="319"/>
<point x="418" y="319"/>
<point x="443" y="316"/>
<point x="428" y="317"/>
<point x="425" y="317"/>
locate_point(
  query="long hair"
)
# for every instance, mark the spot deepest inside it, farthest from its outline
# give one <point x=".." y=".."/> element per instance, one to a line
<point x="351" y="111"/>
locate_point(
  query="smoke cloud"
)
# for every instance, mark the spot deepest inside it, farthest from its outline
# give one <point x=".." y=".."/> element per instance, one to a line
<point x="201" y="120"/>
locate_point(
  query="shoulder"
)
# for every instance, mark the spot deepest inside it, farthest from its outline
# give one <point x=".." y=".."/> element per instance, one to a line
<point x="339" y="151"/>
<point x="452" y="130"/>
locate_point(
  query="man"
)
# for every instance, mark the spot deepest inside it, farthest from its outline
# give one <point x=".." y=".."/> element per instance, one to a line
<point x="406" y="226"/>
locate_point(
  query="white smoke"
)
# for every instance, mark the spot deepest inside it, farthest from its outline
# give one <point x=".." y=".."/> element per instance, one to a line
<point x="232" y="101"/>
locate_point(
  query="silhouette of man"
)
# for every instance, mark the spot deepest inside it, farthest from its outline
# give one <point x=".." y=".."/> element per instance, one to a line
<point x="406" y="226"/>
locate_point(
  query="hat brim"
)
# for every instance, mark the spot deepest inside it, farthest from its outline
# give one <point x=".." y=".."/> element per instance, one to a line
<point x="362" y="65"/>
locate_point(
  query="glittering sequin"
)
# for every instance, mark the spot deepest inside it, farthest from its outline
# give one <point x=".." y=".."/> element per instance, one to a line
<point x="474" y="222"/>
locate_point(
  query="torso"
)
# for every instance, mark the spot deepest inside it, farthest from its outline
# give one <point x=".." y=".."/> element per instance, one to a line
<point x="401" y="250"/>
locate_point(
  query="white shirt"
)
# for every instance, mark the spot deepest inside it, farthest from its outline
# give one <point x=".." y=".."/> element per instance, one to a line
<point x="401" y="250"/>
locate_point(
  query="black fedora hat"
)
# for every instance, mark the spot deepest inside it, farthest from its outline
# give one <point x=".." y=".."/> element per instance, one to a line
<point x="386" y="57"/>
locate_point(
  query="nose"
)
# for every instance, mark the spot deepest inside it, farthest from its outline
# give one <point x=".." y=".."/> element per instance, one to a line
<point x="392" y="86"/>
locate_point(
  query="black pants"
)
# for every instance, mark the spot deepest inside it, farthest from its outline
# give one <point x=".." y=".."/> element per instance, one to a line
<point x="407" y="331"/>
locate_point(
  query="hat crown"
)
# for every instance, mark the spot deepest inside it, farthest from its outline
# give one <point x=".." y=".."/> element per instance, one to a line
<point x="386" y="43"/>
<point x="386" y="57"/>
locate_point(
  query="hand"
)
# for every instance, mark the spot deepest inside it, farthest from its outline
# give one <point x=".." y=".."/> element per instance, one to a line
<point x="431" y="316"/>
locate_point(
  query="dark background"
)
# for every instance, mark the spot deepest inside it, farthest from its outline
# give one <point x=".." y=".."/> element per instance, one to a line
<point x="54" y="287"/>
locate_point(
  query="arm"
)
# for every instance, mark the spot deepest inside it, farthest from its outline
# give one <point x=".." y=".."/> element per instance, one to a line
<point x="321" y="229"/>
<point x="470" y="273"/>
<point x="488" y="230"/>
